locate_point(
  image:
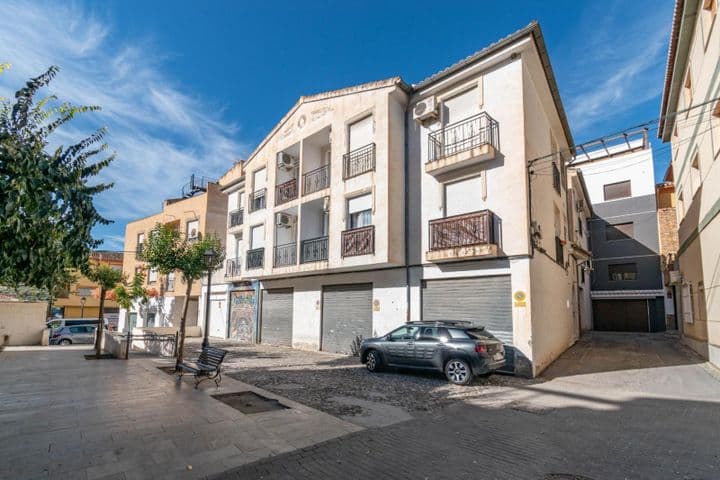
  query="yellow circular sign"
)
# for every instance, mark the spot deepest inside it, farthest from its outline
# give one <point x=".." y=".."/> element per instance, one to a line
<point x="519" y="296"/>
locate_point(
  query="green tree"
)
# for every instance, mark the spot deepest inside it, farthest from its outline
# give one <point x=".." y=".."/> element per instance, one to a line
<point x="167" y="251"/>
<point x="107" y="278"/>
<point x="46" y="198"/>
<point x="127" y="293"/>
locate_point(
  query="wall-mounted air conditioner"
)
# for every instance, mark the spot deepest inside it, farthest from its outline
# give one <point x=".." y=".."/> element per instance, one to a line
<point x="425" y="110"/>
<point x="285" y="160"/>
<point x="326" y="204"/>
<point x="284" y="220"/>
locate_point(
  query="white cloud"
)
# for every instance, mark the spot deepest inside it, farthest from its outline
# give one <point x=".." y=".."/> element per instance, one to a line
<point x="160" y="133"/>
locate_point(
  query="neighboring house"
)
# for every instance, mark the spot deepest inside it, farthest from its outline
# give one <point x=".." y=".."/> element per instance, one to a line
<point x="201" y="211"/>
<point x="627" y="288"/>
<point x="580" y="213"/>
<point x="691" y="122"/>
<point x="668" y="232"/>
<point x="372" y="205"/>
<point x="82" y="299"/>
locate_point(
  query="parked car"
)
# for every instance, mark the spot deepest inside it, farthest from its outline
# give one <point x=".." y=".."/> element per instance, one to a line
<point x="458" y="349"/>
<point x="56" y="323"/>
<point x="73" y="334"/>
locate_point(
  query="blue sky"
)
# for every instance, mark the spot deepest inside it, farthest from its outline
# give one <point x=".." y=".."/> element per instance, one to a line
<point x="188" y="86"/>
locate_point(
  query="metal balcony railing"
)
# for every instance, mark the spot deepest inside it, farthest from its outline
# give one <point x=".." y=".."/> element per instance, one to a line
<point x="465" y="135"/>
<point x="232" y="267"/>
<point x="359" y="161"/>
<point x="358" y="241"/>
<point x="465" y="230"/>
<point x="286" y="191"/>
<point x="316" y="180"/>
<point x="314" y="250"/>
<point x="257" y="200"/>
<point x="255" y="258"/>
<point x="236" y="217"/>
<point x="285" y="255"/>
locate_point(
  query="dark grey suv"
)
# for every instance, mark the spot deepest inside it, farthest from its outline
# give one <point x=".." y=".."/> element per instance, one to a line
<point x="458" y="349"/>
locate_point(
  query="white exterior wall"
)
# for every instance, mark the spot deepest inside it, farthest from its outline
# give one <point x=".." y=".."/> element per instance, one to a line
<point x="636" y="167"/>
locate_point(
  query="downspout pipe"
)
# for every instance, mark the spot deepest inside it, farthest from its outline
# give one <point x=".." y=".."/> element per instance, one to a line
<point x="406" y="181"/>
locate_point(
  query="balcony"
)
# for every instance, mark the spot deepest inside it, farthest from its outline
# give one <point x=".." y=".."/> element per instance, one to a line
<point x="285" y="255"/>
<point x="236" y="218"/>
<point x="255" y="258"/>
<point x="471" y="235"/>
<point x="358" y="241"/>
<point x="286" y="191"/>
<point x="462" y="144"/>
<point x="232" y="267"/>
<point x="359" y="161"/>
<point x="314" y="250"/>
<point x="257" y="200"/>
<point x="316" y="180"/>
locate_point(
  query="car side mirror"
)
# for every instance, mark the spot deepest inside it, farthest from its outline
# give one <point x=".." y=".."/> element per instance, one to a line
<point x="388" y="338"/>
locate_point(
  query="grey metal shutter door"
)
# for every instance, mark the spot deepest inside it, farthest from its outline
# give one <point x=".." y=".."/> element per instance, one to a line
<point x="484" y="301"/>
<point x="346" y="314"/>
<point x="277" y="316"/>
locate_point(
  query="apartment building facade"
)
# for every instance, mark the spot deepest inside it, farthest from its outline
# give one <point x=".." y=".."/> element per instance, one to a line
<point x="382" y="203"/>
<point x="691" y="123"/>
<point x="201" y="212"/>
<point x="627" y="287"/>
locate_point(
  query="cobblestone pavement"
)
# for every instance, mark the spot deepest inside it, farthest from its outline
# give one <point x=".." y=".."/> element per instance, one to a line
<point x="656" y="416"/>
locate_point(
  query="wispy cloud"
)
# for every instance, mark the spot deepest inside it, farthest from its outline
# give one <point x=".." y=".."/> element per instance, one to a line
<point x="160" y="132"/>
<point x="620" y="62"/>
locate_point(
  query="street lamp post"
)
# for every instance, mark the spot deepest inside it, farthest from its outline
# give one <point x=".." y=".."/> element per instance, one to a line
<point x="82" y="306"/>
<point x="209" y="260"/>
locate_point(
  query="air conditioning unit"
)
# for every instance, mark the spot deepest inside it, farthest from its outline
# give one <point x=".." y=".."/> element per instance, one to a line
<point x="425" y="110"/>
<point x="326" y="204"/>
<point x="284" y="220"/>
<point x="535" y="229"/>
<point x="675" y="277"/>
<point x="285" y="160"/>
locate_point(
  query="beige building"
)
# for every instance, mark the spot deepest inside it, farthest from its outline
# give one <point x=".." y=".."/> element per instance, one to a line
<point x="201" y="212"/>
<point x="385" y="202"/>
<point x="691" y="123"/>
<point x="668" y="237"/>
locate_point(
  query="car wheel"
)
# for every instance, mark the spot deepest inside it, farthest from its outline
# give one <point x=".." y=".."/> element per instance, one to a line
<point x="458" y="371"/>
<point x="372" y="361"/>
<point x="65" y="341"/>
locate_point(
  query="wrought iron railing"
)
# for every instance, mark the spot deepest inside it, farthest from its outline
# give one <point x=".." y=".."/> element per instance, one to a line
<point x="236" y="217"/>
<point x="316" y="180"/>
<point x="232" y="267"/>
<point x="358" y="241"/>
<point x="285" y="255"/>
<point x="465" y="230"/>
<point x="314" y="250"/>
<point x="255" y="258"/>
<point x="257" y="199"/>
<point x="286" y="191"/>
<point x="359" y="161"/>
<point x="458" y="137"/>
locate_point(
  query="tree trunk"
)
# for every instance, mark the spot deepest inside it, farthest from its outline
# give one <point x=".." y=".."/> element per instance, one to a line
<point x="181" y="337"/>
<point x="99" y="331"/>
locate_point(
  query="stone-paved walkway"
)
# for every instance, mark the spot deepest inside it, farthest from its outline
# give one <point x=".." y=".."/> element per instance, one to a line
<point x="65" y="417"/>
<point x="655" y="415"/>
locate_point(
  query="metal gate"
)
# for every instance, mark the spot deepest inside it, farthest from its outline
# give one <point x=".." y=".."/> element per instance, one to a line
<point x="621" y="315"/>
<point x="277" y="317"/>
<point x="346" y="315"/>
<point x="484" y="301"/>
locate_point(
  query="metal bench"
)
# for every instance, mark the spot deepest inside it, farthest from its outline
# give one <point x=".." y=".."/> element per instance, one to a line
<point x="207" y="366"/>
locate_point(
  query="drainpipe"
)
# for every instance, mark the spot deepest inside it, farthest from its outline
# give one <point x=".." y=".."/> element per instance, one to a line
<point x="406" y="181"/>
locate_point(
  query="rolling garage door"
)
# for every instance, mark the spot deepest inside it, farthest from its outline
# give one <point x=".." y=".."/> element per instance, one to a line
<point x="620" y="315"/>
<point x="484" y="301"/>
<point x="276" y="317"/>
<point x="346" y="314"/>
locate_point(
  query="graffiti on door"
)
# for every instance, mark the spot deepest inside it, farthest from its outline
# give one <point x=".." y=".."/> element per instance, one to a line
<point x="242" y="308"/>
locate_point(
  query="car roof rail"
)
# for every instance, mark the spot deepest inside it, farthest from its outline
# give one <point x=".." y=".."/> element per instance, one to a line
<point x="443" y="322"/>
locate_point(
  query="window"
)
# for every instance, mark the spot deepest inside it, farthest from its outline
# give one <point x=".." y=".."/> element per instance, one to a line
<point x="140" y="241"/>
<point x="404" y="333"/>
<point x="680" y="206"/>
<point x="688" y="87"/>
<point x="193" y="230"/>
<point x="708" y="14"/>
<point x="461" y="106"/>
<point x="556" y="177"/>
<point x="580" y="226"/>
<point x="559" y="253"/>
<point x="687" y="303"/>
<point x="437" y="334"/>
<point x="257" y="197"/>
<point x="150" y="319"/>
<point x="613" y="191"/>
<point x="170" y="282"/>
<point x="622" y="271"/>
<point x="84" y="291"/>
<point x="257" y="237"/>
<point x="695" y="177"/>
<point x="619" y="231"/>
<point x="464" y="196"/>
<point x="360" y="211"/>
<point x="152" y="275"/>
<point x="360" y="133"/>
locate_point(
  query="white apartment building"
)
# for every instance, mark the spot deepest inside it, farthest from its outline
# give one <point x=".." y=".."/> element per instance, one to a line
<point x="691" y="123"/>
<point x="382" y="203"/>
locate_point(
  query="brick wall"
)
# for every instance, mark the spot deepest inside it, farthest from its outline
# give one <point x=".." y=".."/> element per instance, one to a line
<point x="667" y="228"/>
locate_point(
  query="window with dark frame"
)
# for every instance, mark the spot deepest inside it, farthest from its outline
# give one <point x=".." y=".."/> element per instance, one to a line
<point x="622" y="271"/>
<point x="619" y="231"/>
<point x="614" y="191"/>
<point x="559" y="254"/>
<point x="556" y="177"/>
